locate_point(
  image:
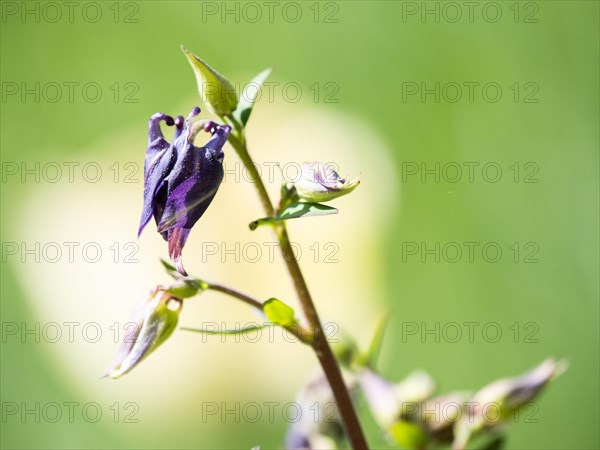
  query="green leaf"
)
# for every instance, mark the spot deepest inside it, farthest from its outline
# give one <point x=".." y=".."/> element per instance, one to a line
<point x="302" y="209"/>
<point x="278" y="312"/>
<point x="377" y="341"/>
<point x="228" y="332"/>
<point x="294" y="211"/>
<point x="249" y="94"/>
<point x="215" y="90"/>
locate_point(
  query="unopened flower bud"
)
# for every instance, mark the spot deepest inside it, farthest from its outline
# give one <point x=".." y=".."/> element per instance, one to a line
<point x="320" y="183"/>
<point x="505" y="397"/>
<point x="155" y="319"/>
<point x="515" y="392"/>
<point x="215" y="90"/>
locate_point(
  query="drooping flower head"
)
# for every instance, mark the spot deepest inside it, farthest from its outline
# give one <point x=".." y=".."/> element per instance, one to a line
<point x="180" y="179"/>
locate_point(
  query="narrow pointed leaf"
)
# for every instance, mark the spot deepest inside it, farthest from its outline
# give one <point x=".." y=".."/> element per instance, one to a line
<point x="301" y="209"/>
<point x="227" y="332"/>
<point x="377" y="341"/>
<point x="249" y="95"/>
<point x="170" y="269"/>
<point x="294" y="211"/>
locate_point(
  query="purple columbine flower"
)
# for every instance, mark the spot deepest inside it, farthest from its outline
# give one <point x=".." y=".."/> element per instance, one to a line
<point x="180" y="179"/>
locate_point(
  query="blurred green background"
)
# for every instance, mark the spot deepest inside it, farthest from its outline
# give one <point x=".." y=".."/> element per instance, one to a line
<point x="370" y="51"/>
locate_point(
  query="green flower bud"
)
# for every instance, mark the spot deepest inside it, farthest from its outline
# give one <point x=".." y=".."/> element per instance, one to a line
<point x="155" y="319"/>
<point x="320" y="183"/>
<point x="217" y="93"/>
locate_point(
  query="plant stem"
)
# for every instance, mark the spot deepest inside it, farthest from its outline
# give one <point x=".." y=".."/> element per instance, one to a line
<point x="237" y="294"/>
<point x="240" y="146"/>
<point x="319" y="343"/>
<point x="303" y="335"/>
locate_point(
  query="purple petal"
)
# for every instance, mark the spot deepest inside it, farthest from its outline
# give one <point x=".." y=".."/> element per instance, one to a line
<point x="154" y="131"/>
<point x="177" y="239"/>
<point x="160" y="158"/>
<point x="188" y="201"/>
<point x="178" y="127"/>
<point x="158" y="207"/>
<point x="296" y="439"/>
<point x="155" y="180"/>
<point x="194" y="179"/>
<point x="220" y="133"/>
<point x="328" y="178"/>
<point x="181" y="180"/>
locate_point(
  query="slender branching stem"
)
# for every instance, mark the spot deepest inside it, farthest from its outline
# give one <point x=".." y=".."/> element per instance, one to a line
<point x="237" y="294"/>
<point x="303" y="335"/>
<point x="319" y="342"/>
